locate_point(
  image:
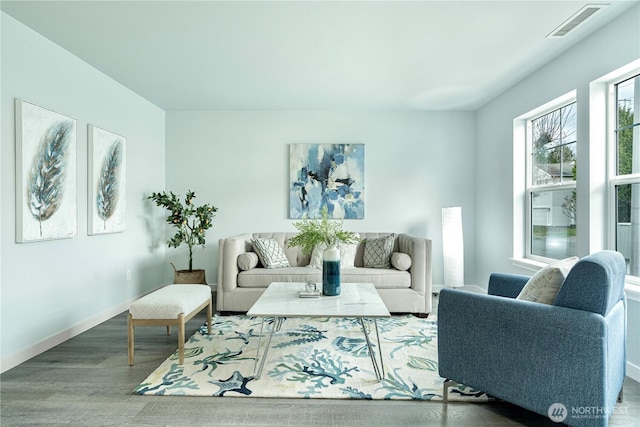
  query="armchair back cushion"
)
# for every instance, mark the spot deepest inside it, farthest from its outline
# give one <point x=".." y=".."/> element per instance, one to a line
<point x="595" y="283"/>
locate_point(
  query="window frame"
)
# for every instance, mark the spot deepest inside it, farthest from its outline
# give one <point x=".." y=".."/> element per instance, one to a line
<point x="613" y="178"/>
<point x="527" y="161"/>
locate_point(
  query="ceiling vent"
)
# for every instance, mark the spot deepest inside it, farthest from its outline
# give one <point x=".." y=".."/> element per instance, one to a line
<point x="576" y="20"/>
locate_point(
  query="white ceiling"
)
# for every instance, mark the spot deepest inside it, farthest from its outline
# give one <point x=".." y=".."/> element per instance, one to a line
<point x="297" y="55"/>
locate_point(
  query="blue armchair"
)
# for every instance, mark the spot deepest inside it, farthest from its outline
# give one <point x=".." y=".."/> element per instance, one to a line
<point x="537" y="355"/>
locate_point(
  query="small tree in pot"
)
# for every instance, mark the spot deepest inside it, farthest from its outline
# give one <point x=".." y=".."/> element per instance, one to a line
<point x="191" y="224"/>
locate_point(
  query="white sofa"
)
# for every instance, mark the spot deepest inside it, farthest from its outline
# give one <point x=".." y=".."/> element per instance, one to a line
<point x="406" y="291"/>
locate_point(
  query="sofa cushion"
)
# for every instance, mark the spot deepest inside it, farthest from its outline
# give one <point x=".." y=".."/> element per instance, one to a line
<point x="247" y="261"/>
<point x="377" y="251"/>
<point x="543" y="286"/>
<point x="381" y="278"/>
<point x="400" y="261"/>
<point x="270" y="253"/>
<point x="263" y="277"/>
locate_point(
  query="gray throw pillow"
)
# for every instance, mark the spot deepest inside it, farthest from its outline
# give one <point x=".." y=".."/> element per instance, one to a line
<point x="270" y="253"/>
<point x="247" y="261"/>
<point x="377" y="251"/>
<point x="401" y="261"/>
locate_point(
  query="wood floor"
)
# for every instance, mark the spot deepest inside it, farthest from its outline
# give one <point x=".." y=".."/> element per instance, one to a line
<point x="86" y="382"/>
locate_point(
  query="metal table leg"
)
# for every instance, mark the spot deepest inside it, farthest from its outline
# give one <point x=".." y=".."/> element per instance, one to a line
<point x="379" y="370"/>
<point x="277" y="322"/>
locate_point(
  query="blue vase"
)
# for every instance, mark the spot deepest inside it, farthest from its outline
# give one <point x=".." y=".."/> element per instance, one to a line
<point x="331" y="271"/>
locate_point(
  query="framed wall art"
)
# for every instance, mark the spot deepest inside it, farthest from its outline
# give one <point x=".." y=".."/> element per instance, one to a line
<point x="107" y="186"/>
<point x="46" y="174"/>
<point x="330" y="175"/>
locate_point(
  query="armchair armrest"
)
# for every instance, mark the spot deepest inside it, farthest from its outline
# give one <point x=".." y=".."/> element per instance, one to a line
<point x="506" y="285"/>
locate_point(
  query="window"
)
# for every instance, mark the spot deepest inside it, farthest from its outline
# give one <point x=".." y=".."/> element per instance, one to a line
<point x="551" y="183"/>
<point x="625" y="170"/>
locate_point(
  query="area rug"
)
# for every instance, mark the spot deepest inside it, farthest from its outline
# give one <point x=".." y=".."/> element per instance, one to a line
<point x="308" y="358"/>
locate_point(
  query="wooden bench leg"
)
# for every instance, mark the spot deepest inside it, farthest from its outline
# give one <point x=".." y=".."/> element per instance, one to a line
<point x="209" y="315"/>
<point x="181" y="338"/>
<point x="130" y="338"/>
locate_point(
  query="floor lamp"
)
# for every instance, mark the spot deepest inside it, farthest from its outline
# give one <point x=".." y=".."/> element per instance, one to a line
<point x="453" y="247"/>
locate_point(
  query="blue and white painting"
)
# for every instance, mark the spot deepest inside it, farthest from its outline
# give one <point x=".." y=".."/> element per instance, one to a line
<point x="330" y="175"/>
<point x="107" y="181"/>
<point x="46" y="174"/>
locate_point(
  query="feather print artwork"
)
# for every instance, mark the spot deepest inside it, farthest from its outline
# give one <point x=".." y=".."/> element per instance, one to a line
<point x="107" y="191"/>
<point x="45" y="186"/>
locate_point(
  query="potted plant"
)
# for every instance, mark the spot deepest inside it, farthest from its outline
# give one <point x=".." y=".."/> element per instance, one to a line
<point x="312" y="233"/>
<point x="191" y="223"/>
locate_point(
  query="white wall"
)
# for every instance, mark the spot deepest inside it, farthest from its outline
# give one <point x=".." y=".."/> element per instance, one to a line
<point x="415" y="164"/>
<point x="55" y="289"/>
<point x="612" y="47"/>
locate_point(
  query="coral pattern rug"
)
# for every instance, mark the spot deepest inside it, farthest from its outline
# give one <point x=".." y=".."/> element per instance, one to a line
<point x="308" y="358"/>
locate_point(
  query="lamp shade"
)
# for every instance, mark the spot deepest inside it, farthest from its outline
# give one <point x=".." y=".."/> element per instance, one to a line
<point x="453" y="247"/>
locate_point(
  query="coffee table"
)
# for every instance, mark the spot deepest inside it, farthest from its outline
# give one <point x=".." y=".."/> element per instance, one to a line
<point x="281" y="300"/>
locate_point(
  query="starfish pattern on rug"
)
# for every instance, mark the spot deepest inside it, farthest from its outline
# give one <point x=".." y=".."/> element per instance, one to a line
<point x="236" y="382"/>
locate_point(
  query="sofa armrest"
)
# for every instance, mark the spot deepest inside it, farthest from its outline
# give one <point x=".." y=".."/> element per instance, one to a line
<point x="228" y="252"/>
<point x="506" y="285"/>
<point x="419" y="250"/>
<point x="510" y="348"/>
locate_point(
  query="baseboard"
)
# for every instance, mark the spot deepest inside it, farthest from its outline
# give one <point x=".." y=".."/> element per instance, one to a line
<point x="54" y="340"/>
<point x="633" y="371"/>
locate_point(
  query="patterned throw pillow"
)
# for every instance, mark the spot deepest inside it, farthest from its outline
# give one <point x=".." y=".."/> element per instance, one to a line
<point x="543" y="287"/>
<point x="377" y="251"/>
<point x="270" y="253"/>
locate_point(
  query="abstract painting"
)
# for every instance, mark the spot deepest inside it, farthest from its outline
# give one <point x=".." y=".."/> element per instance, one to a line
<point x="46" y="188"/>
<point x="107" y="181"/>
<point x="330" y="175"/>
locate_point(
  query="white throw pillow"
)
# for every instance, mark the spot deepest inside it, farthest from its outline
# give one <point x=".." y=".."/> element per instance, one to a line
<point x="316" y="256"/>
<point x="543" y="287"/>
<point x="347" y="254"/>
<point x="270" y="253"/>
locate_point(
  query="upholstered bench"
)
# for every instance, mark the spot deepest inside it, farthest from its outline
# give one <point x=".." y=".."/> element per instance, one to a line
<point x="171" y="305"/>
